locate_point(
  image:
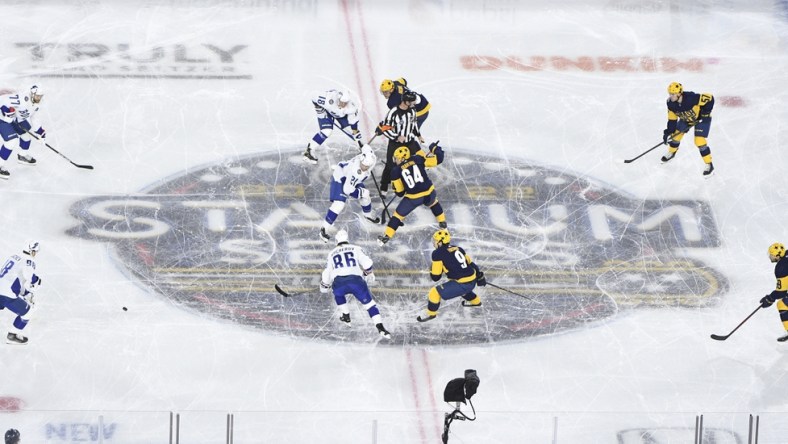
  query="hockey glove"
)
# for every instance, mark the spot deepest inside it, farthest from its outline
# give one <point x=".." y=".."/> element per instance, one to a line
<point x="480" y="279"/>
<point x="666" y="135"/>
<point x="369" y="277"/>
<point x="766" y="301"/>
<point x="324" y="287"/>
<point x="8" y="112"/>
<point x="41" y="132"/>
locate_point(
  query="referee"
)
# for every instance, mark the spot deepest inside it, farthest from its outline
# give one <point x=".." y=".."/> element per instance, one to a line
<point x="401" y="128"/>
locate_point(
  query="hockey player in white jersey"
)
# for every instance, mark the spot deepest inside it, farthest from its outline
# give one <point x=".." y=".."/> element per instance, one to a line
<point x="17" y="117"/>
<point x="348" y="270"/>
<point x="18" y="280"/>
<point x="333" y="107"/>
<point x="348" y="181"/>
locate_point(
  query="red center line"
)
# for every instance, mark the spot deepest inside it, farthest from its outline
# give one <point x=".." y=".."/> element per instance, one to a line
<point x="412" y="370"/>
<point x="372" y="78"/>
<point x="353" y="51"/>
<point x="414" y="387"/>
<point x="431" y="389"/>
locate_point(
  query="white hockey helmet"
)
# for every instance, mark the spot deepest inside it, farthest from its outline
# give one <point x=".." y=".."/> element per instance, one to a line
<point x="341" y="236"/>
<point x="36" y="93"/>
<point x="368" y="159"/>
<point x="31" y="247"/>
<point x="343" y="96"/>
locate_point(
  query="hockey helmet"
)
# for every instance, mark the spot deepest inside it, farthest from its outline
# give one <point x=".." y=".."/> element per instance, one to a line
<point x="343" y="96"/>
<point x="409" y="96"/>
<point x="368" y="159"/>
<point x="675" y="88"/>
<point x="441" y="237"/>
<point x="776" y="251"/>
<point x="401" y="154"/>
<point x="31" y="247"/>
<point x="36" y="93"/>
<point x="386" y="86"/>
<point x="366" y="149"/>
<point x="341" y="236"/>
<point x="12" y="436"/>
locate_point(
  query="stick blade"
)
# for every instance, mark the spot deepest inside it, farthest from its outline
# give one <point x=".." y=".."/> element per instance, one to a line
<point x="280" y="291"/>
<point x="86" y="167"/>
<point x="718" y="337"/>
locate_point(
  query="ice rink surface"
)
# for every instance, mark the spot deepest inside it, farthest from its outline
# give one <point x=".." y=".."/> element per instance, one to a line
<point x="195" y="114"/>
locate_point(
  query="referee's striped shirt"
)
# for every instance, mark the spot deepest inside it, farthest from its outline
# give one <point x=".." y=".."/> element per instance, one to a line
<point x="402" y="123"/>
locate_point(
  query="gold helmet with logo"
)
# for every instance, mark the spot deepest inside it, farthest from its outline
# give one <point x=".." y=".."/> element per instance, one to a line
<point x="441" y="237"/>
<point x="675" y="88"/>
<point x="386" y="85"/>
<point x="776" y="251"/>
<point x="401" y="154"/>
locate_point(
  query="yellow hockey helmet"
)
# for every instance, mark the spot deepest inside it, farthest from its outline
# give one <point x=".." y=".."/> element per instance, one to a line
<point x="402" y="154"/>
<point x="675" y="88"/>
<point x="441" y="237"/>
<point x="776" y="251"/>
<point x="386" y="85"/>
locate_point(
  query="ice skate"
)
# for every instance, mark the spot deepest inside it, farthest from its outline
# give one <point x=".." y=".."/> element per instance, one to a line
<point x="25" y="160"/>
<point x="443" y="224"/>
<point x="709" y="170"/>
<point x="667" y="157"/>
<point x="308" y="157"/>
<point x="345" y="317"/>
<point x="16" y="339"/>
<point x="783" y="338"/>
<point x="4" y="174"/>
<point x="382" y="331"/>
<point x="425" y="318"/>
<point x="324" y="236"/>
<point x="382" y="240"/>
<point x="468" y="304"/>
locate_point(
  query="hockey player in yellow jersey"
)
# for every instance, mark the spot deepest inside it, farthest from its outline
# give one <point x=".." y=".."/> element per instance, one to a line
<point x="686" y="110"/>
<point x="780" y="293"/>
<point x="463" y="275"/>
<point x="411" y="182"/>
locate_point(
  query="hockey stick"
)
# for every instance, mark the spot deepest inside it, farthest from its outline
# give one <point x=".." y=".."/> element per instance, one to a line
<point x="287" y="295"/>
<point x="724" y="337"/>
<point x="87" y="167"/>
<point x="349" y="135"/>
<point x="516" y="294"/>
<point x="652" y="148"/>
<point x="386" y="210"/>
<point x="644" y="153"/>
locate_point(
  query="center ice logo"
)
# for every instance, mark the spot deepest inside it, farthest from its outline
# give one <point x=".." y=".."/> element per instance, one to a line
<point x="218" y="238"/>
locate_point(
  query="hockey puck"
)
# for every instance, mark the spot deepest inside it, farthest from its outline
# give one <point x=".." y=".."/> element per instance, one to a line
<point x="125" y="309"/>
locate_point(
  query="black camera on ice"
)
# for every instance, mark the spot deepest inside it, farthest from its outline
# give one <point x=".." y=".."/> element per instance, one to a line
<point x="458" y="391"/>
